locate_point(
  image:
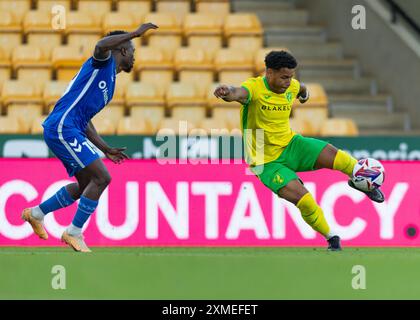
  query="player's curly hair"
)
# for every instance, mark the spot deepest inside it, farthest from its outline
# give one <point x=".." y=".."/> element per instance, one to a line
<point x="280" y="59"/>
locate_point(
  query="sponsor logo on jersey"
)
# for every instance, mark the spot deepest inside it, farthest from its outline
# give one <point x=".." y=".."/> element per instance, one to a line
<point x="104" y="88"/>
<point x="276" y="108"/>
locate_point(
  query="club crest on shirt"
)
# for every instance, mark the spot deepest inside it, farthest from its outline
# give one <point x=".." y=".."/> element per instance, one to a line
<point x="289" y="96"/>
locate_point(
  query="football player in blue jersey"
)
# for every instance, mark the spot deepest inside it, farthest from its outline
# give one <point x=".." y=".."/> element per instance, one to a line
<point x="68" y="130"/>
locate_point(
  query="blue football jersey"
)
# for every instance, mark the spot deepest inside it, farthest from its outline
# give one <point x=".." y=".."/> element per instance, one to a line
<point x="87" y="94"/>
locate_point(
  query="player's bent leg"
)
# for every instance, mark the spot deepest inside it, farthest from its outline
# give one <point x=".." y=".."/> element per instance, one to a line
<point x="99" y="178"/>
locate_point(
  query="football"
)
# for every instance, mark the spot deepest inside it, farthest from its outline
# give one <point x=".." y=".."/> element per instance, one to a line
<point x="368" y="174"/>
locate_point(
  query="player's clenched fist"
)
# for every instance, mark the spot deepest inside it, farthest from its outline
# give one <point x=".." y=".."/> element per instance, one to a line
<point x="222" y="91"/>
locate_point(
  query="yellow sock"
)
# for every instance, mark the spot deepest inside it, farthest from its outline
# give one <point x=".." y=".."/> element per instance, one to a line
<point x="344" y="162"/>
<point x="313" y="215"/>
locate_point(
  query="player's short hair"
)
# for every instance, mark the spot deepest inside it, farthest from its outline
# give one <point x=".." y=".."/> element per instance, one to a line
<point x="280" y="59"/>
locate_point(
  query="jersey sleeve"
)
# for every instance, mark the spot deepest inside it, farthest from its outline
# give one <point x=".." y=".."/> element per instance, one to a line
<point x="99" y="64"/>
<point x="250" y="85"/>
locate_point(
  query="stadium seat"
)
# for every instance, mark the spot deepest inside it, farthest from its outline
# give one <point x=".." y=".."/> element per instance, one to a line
<point x="194" y="66"/>
<point x="153" y="66"/>
<point x="36" y="127"/>
<point x="86" y="43"/>
<point x="124" y="77"/>
<point x="228" y="117"/>
<point x="19" y="8"/>
<point x="30" y="64"/>
<point x="10" y="125"/>
<point x="168" y="36"/>
<point x="233" y="66"/>
<point x="152" y="115"/>
<point x="67" y="60"/>
<point x="172" y="126"/>
<point x="339" y="127"/>
<point x="303" y="126"/>
<point x="220" y="8"/>
<point x="215" y="125"/>
<point x="114" y="114"/>
<point x="194" y="114"/>
<point x="143" y="94"/>
<point x="95" y="8"/>
<point x="133" y="126"/>
<point x="20" y="91"/>
<point x="243" y="31"/>
<point x="118" y="21"/>
<point x="8" y="22"/>
<point x="53" y="90"/>
<point x="118" y="99"/>
<point x="203" y="31"/>
<point x="104" y="126"/>
<point x="78" y="22"/>
<point x="47" y="5"/>
<point x="179" y="8"/>
<point x="183" y="94"/>
<point x="5" y="67"/>
<point x="259" y="64"/>
<point x="137" y="9"/>
<point x="25" y="114"/>
<point x="316" y="116"/>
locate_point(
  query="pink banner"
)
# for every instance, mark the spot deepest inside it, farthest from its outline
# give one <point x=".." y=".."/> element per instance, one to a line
<point x="150" y="204"/>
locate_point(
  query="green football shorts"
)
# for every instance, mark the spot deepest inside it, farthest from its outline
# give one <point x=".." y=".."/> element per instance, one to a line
<point x="300" y="155"/>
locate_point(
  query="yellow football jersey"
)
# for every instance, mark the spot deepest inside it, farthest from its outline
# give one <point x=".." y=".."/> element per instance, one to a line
<point x="270" y="112"/>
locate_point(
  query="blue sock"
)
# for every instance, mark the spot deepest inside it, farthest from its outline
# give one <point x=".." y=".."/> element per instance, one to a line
<point x="60" y="200"/>
<point x="84" y="210"/>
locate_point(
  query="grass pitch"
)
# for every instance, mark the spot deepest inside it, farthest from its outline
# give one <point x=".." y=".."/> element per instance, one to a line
<point x="210" y="273"/>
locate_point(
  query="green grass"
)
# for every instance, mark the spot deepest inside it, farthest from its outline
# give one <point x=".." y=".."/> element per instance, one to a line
<point x="210" y="273"/>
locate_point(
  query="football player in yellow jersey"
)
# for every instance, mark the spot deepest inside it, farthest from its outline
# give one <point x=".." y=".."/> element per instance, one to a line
<point x="274" y="151"/>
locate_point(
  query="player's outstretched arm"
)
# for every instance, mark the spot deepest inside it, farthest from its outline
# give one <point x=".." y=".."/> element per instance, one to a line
<point x="303" y="94"/>
<point x="103" y="47"/>
<point x="116" y="155"/>
<point x="231" y="93"/>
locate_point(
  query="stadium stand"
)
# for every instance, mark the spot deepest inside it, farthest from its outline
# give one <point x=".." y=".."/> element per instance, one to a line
<point x="199" y="44"/>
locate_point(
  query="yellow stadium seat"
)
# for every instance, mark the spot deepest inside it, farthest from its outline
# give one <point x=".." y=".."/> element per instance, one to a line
<point x="96" y="8"/>
<point x="8" y="41"/>
<point x="339" y="127"/>
<point x="214" y="125"/>
<point x="85" y="42"/>
<point x="234" y="78"/>
<point x="303" y="126"/>
<point x="78" y="22"/>
<point x="19" y="8"/>
<point x="168" y="36"/>
<point x="37" y="28"/>
<point x="233" y="65"/>
<point x="5" y="67"/>
<point x="259" y="64"/>
<point x="152" y="115"/>
<point x="104" y="126"/>
<point x="194" y="114"/>
<point x="11" y="125"/>
<point x="183" y="94"/>
<point x="47" y="5"/>
<point x="143" y="94"/>
<point x="214" y="102"/>
<point x="114" y="114"/>
<point x="167" y="43"/>
<point x="37" y="76"/>
<point x="8" y="22"/>
<point x="220" y="8"/>
<point x="130" y="126"/>
<point x="194" y="66"/>
<point x="53" y="90"/>
<point x="118" y="21"/>
<point x="25" y="114"/>
<point x="203" y="31"/>
<point x="160" y="78"/>
<point x="172" y="126"/>
<point x="118" y="99"/>
<point x="36" y="127"/>
<point x="316" y="116"/>
<point x="67" y="60"/>
<point x="124" y="78"/>
<point x="249" y="45"/>
<point x="152" y="58"/>
<point x="317" y="97"/>
<point x="228" y="117"/>
<point x="242" y="24"/>
<point x="179" y="8"/>
<point x="137" y="9"/>
<point x="20" y="91"/>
